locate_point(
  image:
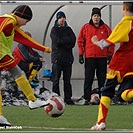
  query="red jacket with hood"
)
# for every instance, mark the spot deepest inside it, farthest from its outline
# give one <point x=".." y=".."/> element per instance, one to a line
<point x="85" y="45"/>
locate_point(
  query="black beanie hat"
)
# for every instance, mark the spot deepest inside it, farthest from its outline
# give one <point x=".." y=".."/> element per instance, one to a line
<point x="96" y="10"/>
<point x="23" y="11"/>
<point x="60" y="14"/>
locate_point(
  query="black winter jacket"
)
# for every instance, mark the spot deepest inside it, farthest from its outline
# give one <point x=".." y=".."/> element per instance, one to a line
<point x="63" y="41"/>
<point x="26" y="54"/>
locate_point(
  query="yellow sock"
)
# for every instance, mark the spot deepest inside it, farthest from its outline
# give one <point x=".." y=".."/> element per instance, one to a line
<point x="33" y="74"/>
<point x="0" y="103"/>
<point x="103" y="109"/>
<point x="127" y="95"/>
<point x="24" y="85"/>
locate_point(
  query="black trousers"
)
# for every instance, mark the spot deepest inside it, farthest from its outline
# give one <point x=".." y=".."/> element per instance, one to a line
<point x="94" y="66"/>
<point x="109" y="88"/>
<point x="25" y="67"/>
<point x="57" y="69"/>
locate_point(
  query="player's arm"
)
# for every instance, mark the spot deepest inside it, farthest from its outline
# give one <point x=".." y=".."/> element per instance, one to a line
<point x="21" y="37"/>
<point x="7" y="25"/>
<point x="119" y="34"/>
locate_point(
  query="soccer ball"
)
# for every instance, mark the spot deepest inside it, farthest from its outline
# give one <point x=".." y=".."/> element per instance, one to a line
<point x="95" y="99"/>
<point x="56" y="107"/>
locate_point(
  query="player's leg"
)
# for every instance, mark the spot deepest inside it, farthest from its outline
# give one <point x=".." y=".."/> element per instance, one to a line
<point x="126" y="89"/>
<point x="101" y="70"/>
<point x="36" y="66"/>
<point x="27" y="68"/>
<point x="3" y="120"/>
<point x="24" y="85"/>
<point x="107" y="92"/>
<point x="34" y="70"/>
<point x="24" y="66"/>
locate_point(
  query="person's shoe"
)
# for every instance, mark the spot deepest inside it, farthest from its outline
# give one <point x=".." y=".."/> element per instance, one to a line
<point x="37" y="104"/>
<point x="35" y="80"/>
<point x="100" y="126"/>
<point x="69" y="102"/>
<point x="3" y="121"/>
<point x="33" y="84"/>
<point x="86" y="102"/>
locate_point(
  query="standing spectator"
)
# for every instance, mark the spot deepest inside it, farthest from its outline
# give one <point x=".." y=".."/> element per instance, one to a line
<point x="120" y="67"/>
<point x="95" y="58"/>
<point x="10" y="31"/>
<point x="29" y="60"/>
<point x="63" y="41"/>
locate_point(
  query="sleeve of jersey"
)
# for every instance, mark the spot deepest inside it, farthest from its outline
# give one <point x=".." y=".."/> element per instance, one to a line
<point x="6" y="24"/>
<point x="120" y="33"/>
<point x="21" y="37"/>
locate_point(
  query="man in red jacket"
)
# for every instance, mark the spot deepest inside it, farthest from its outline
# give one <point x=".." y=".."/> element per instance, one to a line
<point x="95" y="58"/>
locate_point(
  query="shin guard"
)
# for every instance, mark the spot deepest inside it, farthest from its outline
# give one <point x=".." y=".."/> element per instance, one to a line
<point x="103" y="109"/>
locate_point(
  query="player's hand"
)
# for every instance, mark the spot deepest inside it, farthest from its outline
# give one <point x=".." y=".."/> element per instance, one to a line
<point x="42" y="60"/>
<point x="47" y="49"/>
<point x="94" y="39"/>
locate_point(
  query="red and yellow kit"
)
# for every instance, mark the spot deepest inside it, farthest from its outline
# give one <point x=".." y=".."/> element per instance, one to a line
<point x="9" y="32"/>
<point x="121" y="64"/>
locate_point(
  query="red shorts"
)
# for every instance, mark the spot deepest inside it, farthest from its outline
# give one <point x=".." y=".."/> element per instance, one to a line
<point x="7" y="63"/>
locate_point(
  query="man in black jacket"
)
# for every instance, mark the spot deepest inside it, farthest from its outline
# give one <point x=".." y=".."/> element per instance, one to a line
<point x="63" y="41"/>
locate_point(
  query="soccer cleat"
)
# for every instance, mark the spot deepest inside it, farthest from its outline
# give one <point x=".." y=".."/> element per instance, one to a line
<point x="3" y="121"/>
<point x="100" y="126"/>
<point x="35" y="80"/>
<point x="37" y="104"/>
<point x="33" y="84"/>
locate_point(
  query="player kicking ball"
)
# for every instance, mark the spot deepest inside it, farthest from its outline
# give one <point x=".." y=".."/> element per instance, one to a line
<point x="10" y="31"/>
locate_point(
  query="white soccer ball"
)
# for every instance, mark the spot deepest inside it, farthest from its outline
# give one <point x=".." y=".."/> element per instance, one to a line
<point x="56" y="107"/>
<point x="95" y="99"/>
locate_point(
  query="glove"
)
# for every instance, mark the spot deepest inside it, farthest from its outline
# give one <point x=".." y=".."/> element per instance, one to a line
<point x="81" y="59"/>
<point x="47" y="49"/>
<point x="109" y="59"/>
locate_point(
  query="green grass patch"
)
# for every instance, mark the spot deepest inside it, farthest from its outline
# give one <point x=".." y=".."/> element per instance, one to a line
<point x="75" y="118"/>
